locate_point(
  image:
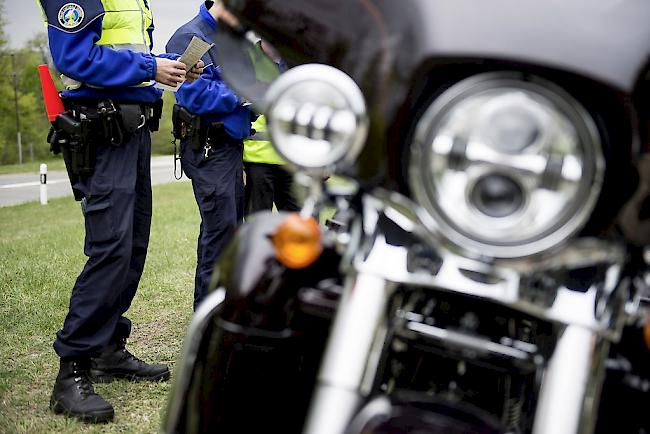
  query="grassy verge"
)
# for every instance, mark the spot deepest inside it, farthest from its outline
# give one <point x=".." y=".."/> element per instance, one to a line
<point x="40" y="256"/>
<point x="54" y="163"/>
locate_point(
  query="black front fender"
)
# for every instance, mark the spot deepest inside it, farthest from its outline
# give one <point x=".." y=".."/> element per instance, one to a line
<point x="260" y="291"/>
<point x="252" y="354"/>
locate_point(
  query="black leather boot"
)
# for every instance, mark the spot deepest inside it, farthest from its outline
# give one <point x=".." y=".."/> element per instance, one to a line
<point x="117" y="362"/>
<point x="74" y="396"/>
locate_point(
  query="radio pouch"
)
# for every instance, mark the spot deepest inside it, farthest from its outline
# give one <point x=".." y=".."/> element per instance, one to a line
<point x="131" y="117"/>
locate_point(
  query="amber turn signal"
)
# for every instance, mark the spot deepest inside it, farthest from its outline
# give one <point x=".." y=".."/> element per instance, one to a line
<point x="297" y="241"/>
<point x="646" y="333"/>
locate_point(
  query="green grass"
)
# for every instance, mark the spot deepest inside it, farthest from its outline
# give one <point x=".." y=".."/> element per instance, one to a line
<point x="53" y="163"/>
<point x="40" y="257"/>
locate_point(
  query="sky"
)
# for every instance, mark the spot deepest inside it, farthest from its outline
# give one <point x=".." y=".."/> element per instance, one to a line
<point x="24" y="19"/>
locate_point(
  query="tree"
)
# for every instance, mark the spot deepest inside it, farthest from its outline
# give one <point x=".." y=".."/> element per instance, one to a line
<point x="33" y="119"/>
<point x="3" y="35"/>
<point x="34" y="125"/>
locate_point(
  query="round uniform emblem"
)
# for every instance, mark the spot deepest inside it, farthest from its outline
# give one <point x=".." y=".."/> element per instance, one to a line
<point x="71" y="15"/>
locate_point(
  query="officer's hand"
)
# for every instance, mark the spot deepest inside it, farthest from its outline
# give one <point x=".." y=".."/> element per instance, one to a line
<point x="196" y="71"/>
<point x="170" y="72"/>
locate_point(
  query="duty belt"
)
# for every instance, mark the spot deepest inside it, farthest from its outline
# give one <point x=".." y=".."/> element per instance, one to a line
<point x="88" y="124"/>
<point x="128" y="117"/>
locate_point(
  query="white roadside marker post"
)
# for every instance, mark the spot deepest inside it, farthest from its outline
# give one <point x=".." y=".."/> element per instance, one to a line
<point x="43" y="184"/>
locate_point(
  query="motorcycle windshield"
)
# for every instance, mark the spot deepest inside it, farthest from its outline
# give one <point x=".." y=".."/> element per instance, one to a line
<point x="248" y="64"/>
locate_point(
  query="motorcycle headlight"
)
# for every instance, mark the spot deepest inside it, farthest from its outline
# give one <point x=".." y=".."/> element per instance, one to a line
<point x="507" y="167"/>
<point x="316" y="117"/>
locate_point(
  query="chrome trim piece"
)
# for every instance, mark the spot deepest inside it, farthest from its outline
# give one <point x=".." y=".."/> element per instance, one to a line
<point x="601" y="307"/>
<point x="203" y="315"/>
<point x="466" y="341"/>
<point x="348" y="353"/>
<point x="332" y="409"/>
<point x="572" y="382"/>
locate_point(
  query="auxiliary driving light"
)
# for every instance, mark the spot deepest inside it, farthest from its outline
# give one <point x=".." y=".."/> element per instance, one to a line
<point x="316" y="117"/>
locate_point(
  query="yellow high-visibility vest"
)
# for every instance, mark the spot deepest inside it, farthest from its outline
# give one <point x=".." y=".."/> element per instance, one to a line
<point x="258" y="148"/>
<point x="124" y="27"/>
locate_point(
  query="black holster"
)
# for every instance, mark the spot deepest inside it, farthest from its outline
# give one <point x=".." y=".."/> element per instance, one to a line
<point x="71" y="138"/>
<point x="187" y="127"/>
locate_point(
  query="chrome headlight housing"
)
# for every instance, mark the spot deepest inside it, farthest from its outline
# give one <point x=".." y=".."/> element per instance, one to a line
<point x="508" y="168"/>
<point x="317" y="117"/>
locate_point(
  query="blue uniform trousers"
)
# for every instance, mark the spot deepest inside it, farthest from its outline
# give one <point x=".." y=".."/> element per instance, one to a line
<point x="218" y="186"/>
<point x="117" y="209"/>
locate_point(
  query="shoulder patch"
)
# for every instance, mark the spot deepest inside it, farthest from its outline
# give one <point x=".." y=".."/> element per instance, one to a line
<point x="71" y="15"/>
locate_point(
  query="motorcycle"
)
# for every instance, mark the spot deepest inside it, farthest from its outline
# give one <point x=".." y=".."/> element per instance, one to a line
<point x="491" y="269"/>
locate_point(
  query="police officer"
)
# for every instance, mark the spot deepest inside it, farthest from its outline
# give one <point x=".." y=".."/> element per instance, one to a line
<point x="103" y="49"/>
<point x="267" y="182"/>
<point x="212" y="158"/>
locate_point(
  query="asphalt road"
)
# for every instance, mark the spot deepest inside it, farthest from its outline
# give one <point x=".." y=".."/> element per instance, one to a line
<point x="25" y="187"/>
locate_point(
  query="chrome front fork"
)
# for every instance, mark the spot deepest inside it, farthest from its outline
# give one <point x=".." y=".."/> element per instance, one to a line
<point x="569" y="394"/>
<point x="351" y="355"/>
<point x="572" y="383"/>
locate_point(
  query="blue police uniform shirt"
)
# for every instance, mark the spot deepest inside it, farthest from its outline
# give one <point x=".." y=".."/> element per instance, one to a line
<point x="109" y="73"/>
<point x="209" y="97"/>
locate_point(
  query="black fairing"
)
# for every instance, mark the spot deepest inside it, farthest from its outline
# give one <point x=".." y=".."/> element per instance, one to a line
<point x="258" y="358"/>
<point x="402" y="54"/>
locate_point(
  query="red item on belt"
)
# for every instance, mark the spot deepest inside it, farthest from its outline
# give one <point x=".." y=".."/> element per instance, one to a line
<point x="53" y="102"/>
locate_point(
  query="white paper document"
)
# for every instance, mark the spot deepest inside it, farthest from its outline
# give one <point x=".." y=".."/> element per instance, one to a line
<point x="193" y="53"/>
